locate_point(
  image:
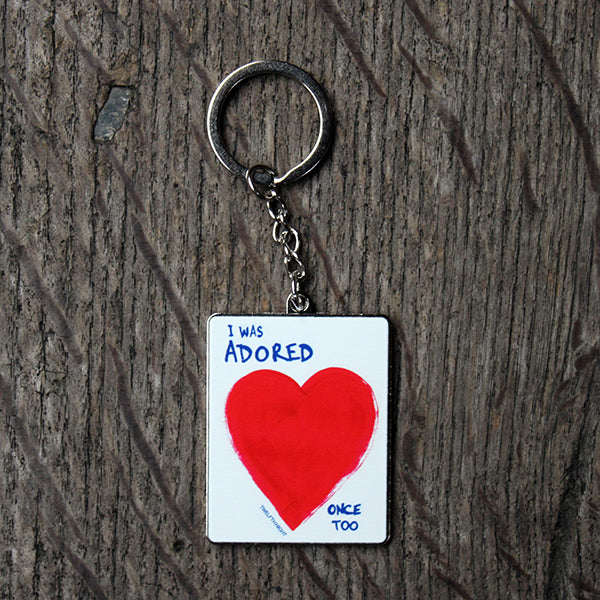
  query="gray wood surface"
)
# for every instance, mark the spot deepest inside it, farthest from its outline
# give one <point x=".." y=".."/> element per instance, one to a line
<point x="461" y="198"/>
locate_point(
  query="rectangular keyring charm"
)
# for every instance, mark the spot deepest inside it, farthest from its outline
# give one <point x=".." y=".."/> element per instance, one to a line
<point x="297" y="428"/>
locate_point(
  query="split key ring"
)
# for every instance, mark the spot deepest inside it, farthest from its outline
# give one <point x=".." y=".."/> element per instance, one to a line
<point x="263" y="67"/>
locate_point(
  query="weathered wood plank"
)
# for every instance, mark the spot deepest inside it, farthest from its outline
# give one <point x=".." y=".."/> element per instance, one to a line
<point x="461" y="198"/>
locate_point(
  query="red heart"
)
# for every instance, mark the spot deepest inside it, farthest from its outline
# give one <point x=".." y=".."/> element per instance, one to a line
<point x="297" y="442"/>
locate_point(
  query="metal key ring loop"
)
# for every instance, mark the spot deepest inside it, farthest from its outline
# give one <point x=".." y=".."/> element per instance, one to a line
<point x="262" y="67"/>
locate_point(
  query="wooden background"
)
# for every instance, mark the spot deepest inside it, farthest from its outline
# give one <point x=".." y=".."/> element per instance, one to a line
<point x="460" y="197"/>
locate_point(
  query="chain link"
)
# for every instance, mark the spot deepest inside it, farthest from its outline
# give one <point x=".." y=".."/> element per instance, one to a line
<point x="261" y="179"/>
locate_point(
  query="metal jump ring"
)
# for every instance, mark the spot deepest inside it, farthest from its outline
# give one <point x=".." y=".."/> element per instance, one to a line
<point x="262" y="67"/>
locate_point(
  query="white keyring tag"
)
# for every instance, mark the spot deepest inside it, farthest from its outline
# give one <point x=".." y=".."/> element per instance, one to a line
<point x="297" y="429"/>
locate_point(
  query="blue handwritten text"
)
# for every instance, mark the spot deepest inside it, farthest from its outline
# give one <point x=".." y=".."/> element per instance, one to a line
<point x="344" y="509"/>
<point x="288" y="353"/>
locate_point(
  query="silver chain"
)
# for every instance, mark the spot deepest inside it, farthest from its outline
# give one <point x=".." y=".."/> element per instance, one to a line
<point x="260" y="179"/>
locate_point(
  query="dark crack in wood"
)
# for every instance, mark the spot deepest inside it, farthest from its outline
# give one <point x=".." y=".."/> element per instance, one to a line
<point x="561" y="561"/>
<point x="148" y="454"/>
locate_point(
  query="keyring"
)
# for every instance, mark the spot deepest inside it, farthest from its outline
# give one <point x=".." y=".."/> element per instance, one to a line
<point x="303" y="431"/>
<point x="263" y="67"/>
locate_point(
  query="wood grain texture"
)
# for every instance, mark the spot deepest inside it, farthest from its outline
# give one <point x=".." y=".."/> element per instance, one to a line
<point x="461" y="198"/>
